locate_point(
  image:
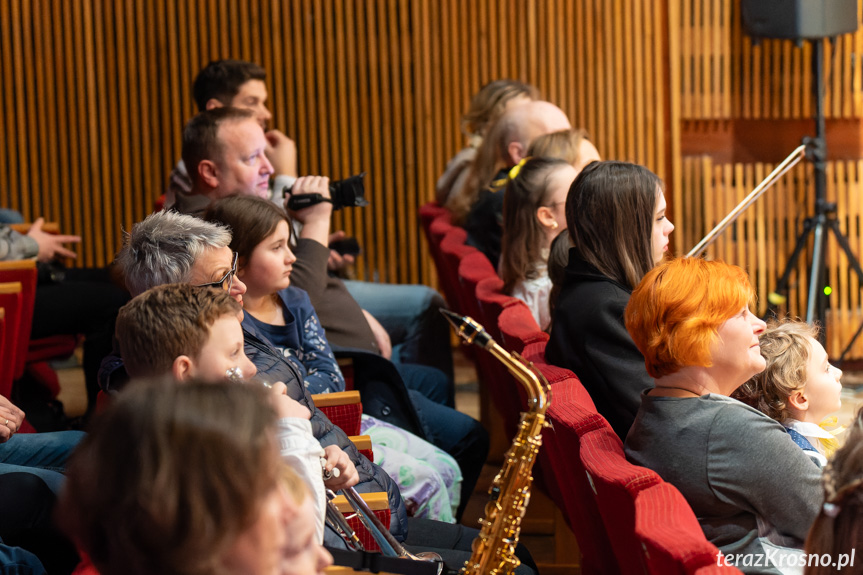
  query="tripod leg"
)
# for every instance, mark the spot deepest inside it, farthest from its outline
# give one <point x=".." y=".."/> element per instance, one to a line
<point x="855" y="265"/>
<point x="782" y="282"/>
<point x="815" y="302"/>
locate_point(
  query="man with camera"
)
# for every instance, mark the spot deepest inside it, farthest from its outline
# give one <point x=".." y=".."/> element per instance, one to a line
<point x="407" y="326"/>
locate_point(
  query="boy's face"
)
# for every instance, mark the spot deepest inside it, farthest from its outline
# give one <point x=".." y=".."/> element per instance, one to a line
<point x="222" y="351"/>
<point x="823" y="389"/>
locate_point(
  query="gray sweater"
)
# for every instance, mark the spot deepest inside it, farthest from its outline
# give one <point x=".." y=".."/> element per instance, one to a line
<point x="732" y="464"/>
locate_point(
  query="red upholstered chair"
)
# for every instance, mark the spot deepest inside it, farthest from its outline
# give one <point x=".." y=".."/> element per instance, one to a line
<point x="343" y="408"/>
<point x="453" y="249"/>
<point x="11" y="297"/>
<point x="670" y="535"/>
<point x="518" y="328"/>
<point x="34" y="354"/>
<point x="616" y="483"/>
<point x="428" y="213"/>
<point x="571" y="414"/>
<point x="473" y="268"/>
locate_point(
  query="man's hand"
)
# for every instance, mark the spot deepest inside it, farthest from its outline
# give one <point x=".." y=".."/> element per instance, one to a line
<point x="337" y="261"/>
<point x="316" y="218"/>
<point x="286" y="406"/>
<point x="338" y="459"/>
<point x="51" y="245"/>
<point x="282" y="153"/>
<point x="381" y="336"/>
<point x="11" y="419"/>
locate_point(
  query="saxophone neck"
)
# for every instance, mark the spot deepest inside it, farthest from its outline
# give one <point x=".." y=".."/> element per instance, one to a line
<point x="535" y="383"/>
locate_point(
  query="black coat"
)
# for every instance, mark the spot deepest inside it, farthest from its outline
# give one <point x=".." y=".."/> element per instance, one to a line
<point x="588" y="336"/>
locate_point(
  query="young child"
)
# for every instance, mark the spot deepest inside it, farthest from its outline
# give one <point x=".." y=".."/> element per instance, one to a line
<point x="194" y="333"/>
<point x="533" y="214"/>
<point x="799" y="388"/>
<point x="429" y="479"/>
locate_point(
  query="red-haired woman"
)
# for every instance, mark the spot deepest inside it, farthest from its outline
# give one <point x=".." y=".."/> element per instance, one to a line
<point x="690" y="319"/>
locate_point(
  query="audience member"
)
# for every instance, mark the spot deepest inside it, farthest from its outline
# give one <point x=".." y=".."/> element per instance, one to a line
<point x="505" y="147"/>
<point x="615" y="213"/>
<point x="533" y="210"/>
<point x="202" y="491"/>
<point x="31" y="477"/>
<point x="836" y="531"/>
<point x="194" y="333"/>
<point x="799" y="388"/>
<point x="485" y="107"/>
<point x="238" y="84"/>
<point x="172" y="248"/>
<point x="403" y="322"/>
<point x="281" y="314"/>
<point x="690" y="319"/>
<point x="573" y="146"/>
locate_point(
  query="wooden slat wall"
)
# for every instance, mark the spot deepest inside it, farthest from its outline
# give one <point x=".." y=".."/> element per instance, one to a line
<point x="763" y="238"/>
<point x="725" y="74"/>
<point x="95" y="93"/>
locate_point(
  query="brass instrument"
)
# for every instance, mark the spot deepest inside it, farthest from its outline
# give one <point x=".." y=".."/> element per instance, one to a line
<point x="385" y="540"/>
<point x="339" y="524"/>
<point x="493" y="551"/>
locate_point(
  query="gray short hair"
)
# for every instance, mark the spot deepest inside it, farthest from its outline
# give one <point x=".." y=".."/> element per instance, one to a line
<point x="163" y="248"/>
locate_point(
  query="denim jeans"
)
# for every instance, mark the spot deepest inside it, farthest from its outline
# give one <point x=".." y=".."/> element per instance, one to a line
<point x="43" y="454"/>
<point x="409" y="313"/>
<point x="17" y="561"/>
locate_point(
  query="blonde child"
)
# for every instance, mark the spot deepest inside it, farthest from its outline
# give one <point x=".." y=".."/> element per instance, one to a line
<point x="799" y="388"/>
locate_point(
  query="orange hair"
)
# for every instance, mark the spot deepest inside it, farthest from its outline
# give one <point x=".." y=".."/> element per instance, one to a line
<point x="675" y="311"/>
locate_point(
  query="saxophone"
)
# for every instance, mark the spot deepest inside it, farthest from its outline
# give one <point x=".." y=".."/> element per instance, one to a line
<point x="493" y="551"/>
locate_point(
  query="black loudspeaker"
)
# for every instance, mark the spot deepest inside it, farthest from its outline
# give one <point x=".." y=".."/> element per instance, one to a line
<point x="798" y="19"/>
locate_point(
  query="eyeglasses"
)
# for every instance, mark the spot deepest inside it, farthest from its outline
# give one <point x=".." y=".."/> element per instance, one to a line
<point x="228" y="280"/>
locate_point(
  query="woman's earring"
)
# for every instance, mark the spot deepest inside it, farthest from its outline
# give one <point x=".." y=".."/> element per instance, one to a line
<point x="554" y="225"/>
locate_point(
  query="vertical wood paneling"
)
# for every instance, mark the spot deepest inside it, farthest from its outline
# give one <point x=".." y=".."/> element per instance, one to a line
<point x="96" y="93"/>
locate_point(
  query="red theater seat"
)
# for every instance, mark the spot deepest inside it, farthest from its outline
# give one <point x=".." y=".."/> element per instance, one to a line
<point x="453" y="249"/>
<point x="670" y="535"/>
<point x="473" y="268"/>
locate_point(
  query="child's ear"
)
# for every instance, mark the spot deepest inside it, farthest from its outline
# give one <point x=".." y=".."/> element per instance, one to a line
<point x="546" y="217"/>
<point x="181" y="369"/>
<point x="798" y="400"/>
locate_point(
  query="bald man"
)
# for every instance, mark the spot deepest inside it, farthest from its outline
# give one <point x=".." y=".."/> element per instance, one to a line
<point x="510" y="138"/>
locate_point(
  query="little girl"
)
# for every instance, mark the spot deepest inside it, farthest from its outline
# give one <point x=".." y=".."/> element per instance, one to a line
<point x="799" y="388"/>
<point x="429" y="479"/>
<point x="533" y="214"/>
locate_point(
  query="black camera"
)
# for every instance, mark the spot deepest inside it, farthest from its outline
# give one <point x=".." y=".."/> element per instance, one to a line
<point x="346" y="193"/>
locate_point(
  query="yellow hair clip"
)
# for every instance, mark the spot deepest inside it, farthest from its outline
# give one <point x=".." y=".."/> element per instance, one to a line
<point x="517" y="168"/>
